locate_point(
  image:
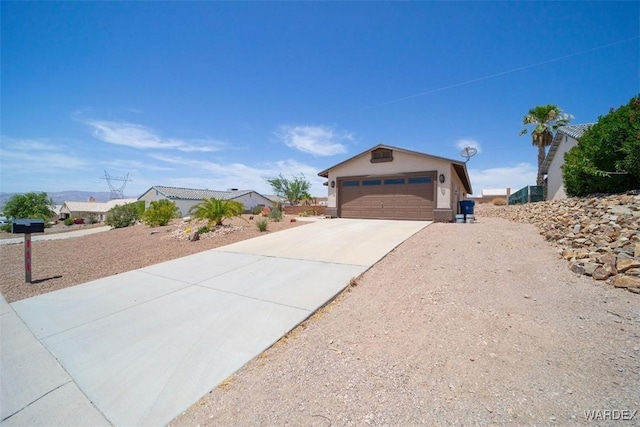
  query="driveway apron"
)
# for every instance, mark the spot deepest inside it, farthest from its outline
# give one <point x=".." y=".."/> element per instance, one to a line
<point x="140" y="347"/>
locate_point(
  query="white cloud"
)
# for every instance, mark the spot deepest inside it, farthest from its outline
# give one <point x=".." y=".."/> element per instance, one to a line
<point x="514" y="177"/>
<point x="316" y="140"/>
<point x="217" y="176"/>
<point x="141" y="137"/>
<point x="34" y="156"/>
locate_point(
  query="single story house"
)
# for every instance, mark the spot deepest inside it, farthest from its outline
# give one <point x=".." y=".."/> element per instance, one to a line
<point x="90" y="208"/>
<point x="186" y="198"/>
<point x="566" y="137"/>
<point x="491" y="195"/>
<point x="386" y="182"/>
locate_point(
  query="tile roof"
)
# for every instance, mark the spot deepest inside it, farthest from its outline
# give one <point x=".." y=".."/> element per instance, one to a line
<point x="198" y="194"/>
<point x="96" y="207"/>
<point x="574" y="131"/>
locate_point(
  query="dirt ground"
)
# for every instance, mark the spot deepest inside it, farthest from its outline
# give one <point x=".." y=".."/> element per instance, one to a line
<point x="463" y="324"/>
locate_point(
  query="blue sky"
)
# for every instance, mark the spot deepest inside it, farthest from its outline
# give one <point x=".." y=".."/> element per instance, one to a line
<point x="223" y="94"/>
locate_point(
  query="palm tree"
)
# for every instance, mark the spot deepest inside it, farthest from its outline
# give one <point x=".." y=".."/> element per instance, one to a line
<point x="546" y="120"/>
<point x="217" y="210"/>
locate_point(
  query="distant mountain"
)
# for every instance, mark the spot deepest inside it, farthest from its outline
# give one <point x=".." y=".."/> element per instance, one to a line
<point x="60" y="197"/>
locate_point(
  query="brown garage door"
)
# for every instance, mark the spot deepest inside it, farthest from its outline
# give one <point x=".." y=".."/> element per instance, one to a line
<point x="388" y="197"/>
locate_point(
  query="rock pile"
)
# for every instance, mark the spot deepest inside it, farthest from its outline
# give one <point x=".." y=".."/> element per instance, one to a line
<point x="599" y="236"/>
<point x="188" y="230"/>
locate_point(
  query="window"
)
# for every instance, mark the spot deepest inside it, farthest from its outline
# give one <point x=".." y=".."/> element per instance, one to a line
<point x="420" y="180"/>
<point x="394" y="181"/>
<point x="372" y="182"/>
<point x="350" y="183"/>
<point x="381" y="155"/>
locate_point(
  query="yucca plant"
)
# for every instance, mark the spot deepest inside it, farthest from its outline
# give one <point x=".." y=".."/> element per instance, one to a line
<point x="217" y="210"/>
<point x="262" y="224"/>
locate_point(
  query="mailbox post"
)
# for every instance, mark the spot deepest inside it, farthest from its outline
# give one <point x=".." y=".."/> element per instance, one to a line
<point x="27" y="226"/>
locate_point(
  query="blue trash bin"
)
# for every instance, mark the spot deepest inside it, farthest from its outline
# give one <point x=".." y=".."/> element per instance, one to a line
<point x="466" y="207"/>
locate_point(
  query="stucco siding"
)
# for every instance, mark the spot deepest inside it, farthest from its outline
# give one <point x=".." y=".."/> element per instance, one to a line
<point x="402" y="163"/>
<point x="555" y="185"/>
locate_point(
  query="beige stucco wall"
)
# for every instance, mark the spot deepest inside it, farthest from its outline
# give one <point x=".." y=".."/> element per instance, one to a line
<point x="555" y="186"/>
<point x="249" y="200"/>
<point x="402" y="163"/>
<point x="152" y="196"/>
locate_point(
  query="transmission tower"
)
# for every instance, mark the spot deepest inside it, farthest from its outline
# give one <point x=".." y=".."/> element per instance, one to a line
<point x="117" y="190"/>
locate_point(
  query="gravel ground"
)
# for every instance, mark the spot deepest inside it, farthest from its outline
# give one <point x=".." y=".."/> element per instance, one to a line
<point x="57" y="264"/>
<point x="463" y="324"/>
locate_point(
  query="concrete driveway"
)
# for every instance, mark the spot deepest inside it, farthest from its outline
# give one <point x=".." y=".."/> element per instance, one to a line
<point x="139" y="348"/>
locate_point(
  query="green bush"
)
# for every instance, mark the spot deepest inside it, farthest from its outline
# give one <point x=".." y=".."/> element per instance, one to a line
<point x="217" y="210"/>
<point x="68" y="222"/>
<point x="30" y="205"/>
<point x="6" y="228"/>
<point x="262" y="224"/>
<point x="160" y="212"/>
<point x="92" y="219"/>
<point x="204" y="229"/>
<point x="123" y="215"/>
<point x="607" y="158"/>
<point x="276" y="215"/>
<point x="257" y="210"/>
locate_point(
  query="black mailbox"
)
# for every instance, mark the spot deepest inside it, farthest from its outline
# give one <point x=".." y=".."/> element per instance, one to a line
<point x="27" y="226"/>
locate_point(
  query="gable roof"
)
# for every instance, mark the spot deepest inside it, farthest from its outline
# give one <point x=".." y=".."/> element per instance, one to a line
<point x="95" y="207"/>
<point x="178" y="193"/>
<point x="574" y="131"/>
<point x="459" y="166"/>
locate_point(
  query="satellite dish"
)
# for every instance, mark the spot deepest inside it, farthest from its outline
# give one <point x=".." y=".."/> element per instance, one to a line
<point x="468" y="152"/>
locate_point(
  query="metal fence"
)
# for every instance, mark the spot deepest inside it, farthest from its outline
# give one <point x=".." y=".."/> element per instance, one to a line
<point x="528" y="194"/>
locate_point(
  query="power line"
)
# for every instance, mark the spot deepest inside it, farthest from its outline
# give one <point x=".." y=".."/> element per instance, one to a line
<point x="502" y="73"/>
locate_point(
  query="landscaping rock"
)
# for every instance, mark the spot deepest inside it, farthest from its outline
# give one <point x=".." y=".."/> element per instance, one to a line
<point x="194" y="236"/>
<point x="621" y="281"/>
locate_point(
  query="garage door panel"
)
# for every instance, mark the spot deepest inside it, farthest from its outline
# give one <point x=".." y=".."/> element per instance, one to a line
<point x="388" y="197"/>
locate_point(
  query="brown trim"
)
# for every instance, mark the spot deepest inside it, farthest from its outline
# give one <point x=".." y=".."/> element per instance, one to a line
<point x="387" y="155"/>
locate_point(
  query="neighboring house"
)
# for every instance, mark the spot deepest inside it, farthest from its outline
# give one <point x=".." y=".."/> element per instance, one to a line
<point x="91" y="208"/>
<point x="490" y="195"/>
<point x="566" y="138"/>
<point x="186" y="198"/>
<point x="388" y="182"/>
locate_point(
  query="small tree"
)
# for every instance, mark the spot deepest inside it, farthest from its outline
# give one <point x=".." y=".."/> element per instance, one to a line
<point x="30" y="205"/>
<point x="217" y="210"/>
<point x="293" y="190"/>
<point x="546" y="119"/>
<point x="160" y="212"/>
<point x="607" y="157"/>
<point x="123" y="215"/>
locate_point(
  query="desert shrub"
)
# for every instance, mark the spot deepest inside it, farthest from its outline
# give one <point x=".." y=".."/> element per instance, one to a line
<point x="262" y="224"/>
<point x="68" y="221"/>
<point x="6" y="228"/>
<point x="92" y="219"/>
<point x="204" y="229"/>
<point x="607" y="157"/>
<point x="275" y="215"/>
<point x="257" y="209"/>
<point x="160" y="212"/>
<point x="499" y="201"/>
<point x="217" y="210"/>
<point x="123" y="215"/>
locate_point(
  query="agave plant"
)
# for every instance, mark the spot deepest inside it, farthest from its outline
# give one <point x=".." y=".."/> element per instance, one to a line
<point x="217" y="210"/>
